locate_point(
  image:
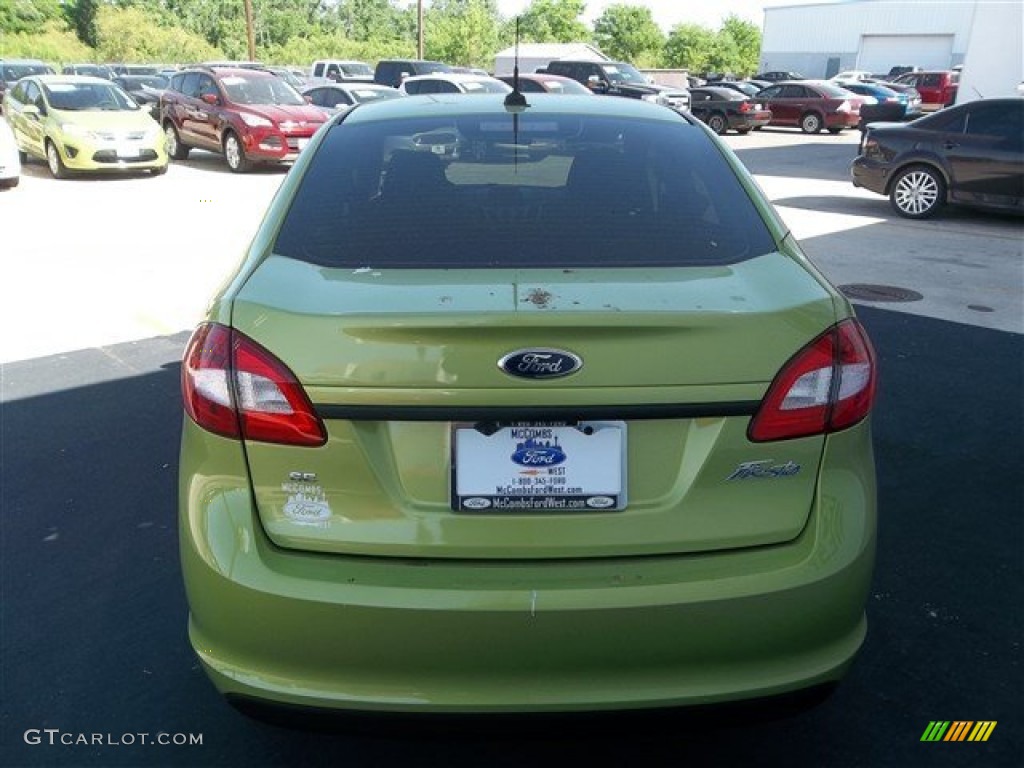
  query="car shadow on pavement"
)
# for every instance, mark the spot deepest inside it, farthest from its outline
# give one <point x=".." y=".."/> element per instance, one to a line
<point x="37" y="169"/>
<point x="200" y="159"/>
<point x="878" y="207"/>
<point x="820" y="161"/>
<point x="94" y="616"/>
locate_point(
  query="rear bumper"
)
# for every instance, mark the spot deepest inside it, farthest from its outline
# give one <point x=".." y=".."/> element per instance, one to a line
<point x="842" y="120"/>
<point x="870" y="176"/>
<point x="361" y="633"/>
<point x="749" y="121"/>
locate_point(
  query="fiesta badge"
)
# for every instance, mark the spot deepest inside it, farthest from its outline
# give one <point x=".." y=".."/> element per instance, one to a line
<point x="540" y="363"/>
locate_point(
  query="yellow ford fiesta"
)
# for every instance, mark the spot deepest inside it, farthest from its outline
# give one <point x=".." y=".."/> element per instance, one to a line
<point x="78" y="123"/>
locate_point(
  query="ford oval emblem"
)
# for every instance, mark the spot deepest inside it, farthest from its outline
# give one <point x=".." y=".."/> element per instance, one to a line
<point x="540" y="363"/>
<point x="538" y="453"/>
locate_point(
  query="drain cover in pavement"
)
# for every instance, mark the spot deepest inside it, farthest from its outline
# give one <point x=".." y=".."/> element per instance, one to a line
<point x="867" y="292"/>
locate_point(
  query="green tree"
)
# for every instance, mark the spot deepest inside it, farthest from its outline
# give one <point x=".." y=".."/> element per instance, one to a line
<point x="465" y="32"/>
<point x="54" y="42"/>
<point x="365" y="20"/>
<point x="130" y="34"/>
<point x="552" y="21"/>
<point x="27" y="16"/>
<point x="747" y="37"/>
<point x="690" y="47"/>
<point x="629" y="33"/>
<point x="725" y="55"/>
<point x="220" y="22"/>
<point x="82" y="17"/>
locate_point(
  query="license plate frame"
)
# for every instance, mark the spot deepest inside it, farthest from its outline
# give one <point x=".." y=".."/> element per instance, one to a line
<point x="538" y="467"/>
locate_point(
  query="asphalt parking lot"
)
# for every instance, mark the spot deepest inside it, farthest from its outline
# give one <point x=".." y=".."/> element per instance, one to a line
<point x="103" y="277"/>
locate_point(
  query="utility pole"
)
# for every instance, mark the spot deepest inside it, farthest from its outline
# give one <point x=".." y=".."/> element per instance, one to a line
<point x="419" y="28"/>
<point x="250" y="35"/>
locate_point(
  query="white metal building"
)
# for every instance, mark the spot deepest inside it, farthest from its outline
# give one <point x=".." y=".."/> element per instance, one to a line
<point x="534" y="55"/>
<point x="875" y="35"/>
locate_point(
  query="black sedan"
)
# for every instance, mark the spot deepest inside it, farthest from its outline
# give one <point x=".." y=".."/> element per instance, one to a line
<point x="723" y="108"/>
<point x="144" y="89"/>
<point x="971" y="154"/>
<point x="334" y="97"/>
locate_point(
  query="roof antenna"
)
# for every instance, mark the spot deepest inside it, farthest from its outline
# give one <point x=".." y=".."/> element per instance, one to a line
<point x="516" y="101"/>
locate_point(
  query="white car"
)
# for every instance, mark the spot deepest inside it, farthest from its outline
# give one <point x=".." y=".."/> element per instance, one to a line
<point x="10" y="163"/>
<point x="452" y="82"/>
<point x="854" y="75"/>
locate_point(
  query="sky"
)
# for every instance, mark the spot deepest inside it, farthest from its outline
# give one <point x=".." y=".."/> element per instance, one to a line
<point x="668" y="13"/>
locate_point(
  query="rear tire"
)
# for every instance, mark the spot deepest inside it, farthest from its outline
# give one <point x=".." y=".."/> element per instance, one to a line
<point x="835" y="131"/>
<point x="917" y="192"/>
<point x="811" y="123"/>
<point x="718" y="123"/>
<point x="743" y="131"/>
<point x="234" y="154"/>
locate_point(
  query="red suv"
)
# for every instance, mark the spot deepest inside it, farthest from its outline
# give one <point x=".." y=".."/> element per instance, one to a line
<point x="938" y="89"/>
<point x="250" y="116"/>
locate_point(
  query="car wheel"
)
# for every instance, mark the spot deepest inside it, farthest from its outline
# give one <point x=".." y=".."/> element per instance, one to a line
<point x="234" y="154"/>
<point x="835" y="131"/>
<point x="54" y="160"/>
<point x="810" y="123"/>
<point x="718" y="123"/>
<point x="175" y="149"/>
<point x="917" y="192"/>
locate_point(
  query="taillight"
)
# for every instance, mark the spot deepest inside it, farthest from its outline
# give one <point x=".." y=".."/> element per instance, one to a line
<point x="234" y="387"/>
<point x="745" y="106"/>
<point x="844" y="107"/>
<point x="827" y="386"/>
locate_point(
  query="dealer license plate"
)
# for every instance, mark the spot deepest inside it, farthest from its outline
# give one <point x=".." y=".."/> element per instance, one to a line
<point x="127" y="151"/>
<point x="535" y="467"/>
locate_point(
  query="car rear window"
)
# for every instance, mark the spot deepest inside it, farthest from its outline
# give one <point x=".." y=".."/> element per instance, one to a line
<point x="497" y="190"/>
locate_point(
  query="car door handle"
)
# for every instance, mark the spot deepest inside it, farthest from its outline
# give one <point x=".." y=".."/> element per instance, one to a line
<point x="951" y="145"/>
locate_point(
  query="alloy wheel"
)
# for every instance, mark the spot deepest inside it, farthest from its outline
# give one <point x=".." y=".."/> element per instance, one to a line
<point x="917" y="193"/>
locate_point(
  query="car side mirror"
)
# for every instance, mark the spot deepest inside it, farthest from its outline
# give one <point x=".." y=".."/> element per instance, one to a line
<point x="210" y="98"/>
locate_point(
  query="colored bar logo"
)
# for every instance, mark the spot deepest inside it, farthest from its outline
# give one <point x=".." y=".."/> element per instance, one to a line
<point x="959" y="730"/>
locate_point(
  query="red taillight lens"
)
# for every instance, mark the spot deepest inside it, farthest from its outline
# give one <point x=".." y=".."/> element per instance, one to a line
<point x="206" y="380"/>
<point x="829" y="385"/>
<point x="746" y="106"/>
<point x="234" y="387"/>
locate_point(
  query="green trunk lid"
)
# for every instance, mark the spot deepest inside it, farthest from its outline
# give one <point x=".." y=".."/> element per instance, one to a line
<point x="428" y="342"/>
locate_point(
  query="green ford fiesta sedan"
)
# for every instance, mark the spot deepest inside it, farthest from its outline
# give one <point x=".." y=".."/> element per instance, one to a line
<point x="529" y="409"/>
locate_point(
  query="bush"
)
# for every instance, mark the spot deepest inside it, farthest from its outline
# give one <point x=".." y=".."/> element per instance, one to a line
<point x="130" y="34"/>
<point x="56" y="43"/>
